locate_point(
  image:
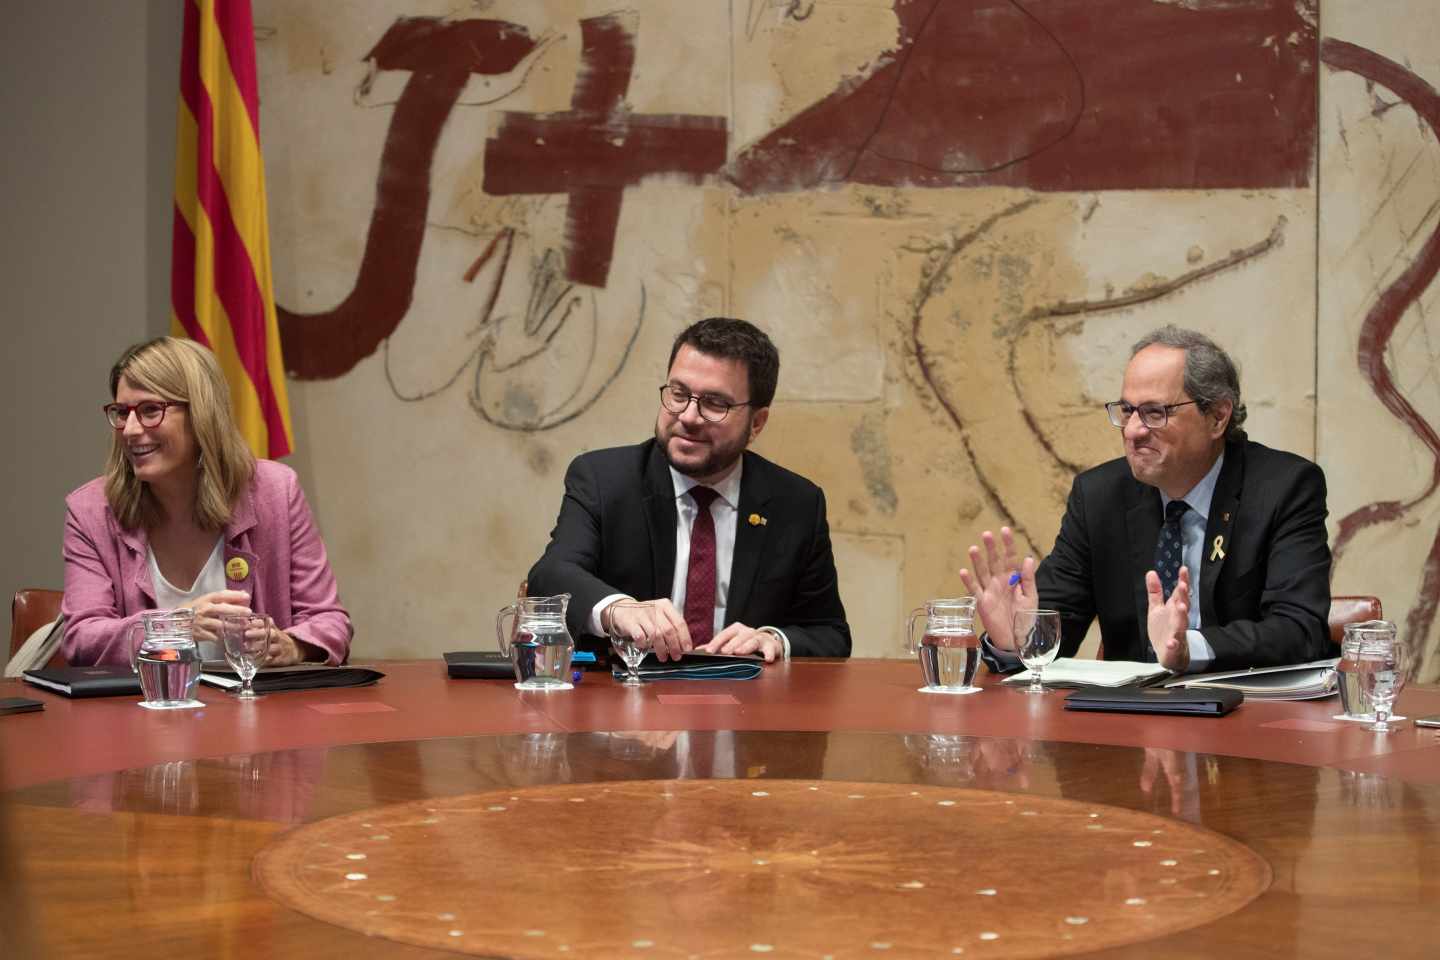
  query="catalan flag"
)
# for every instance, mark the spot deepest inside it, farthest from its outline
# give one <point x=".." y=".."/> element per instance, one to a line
<point x="220" y="288"/>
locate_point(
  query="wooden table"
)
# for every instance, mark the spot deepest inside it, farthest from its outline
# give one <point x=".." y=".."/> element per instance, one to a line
<point x="801" y="809"/>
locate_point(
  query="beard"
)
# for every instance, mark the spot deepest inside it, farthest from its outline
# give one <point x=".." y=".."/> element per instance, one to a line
<point x="715" y="455"/>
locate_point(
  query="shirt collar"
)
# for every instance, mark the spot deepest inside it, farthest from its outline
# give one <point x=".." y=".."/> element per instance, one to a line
<point x="728" y="488"/>
<point x="1200" y="495"/>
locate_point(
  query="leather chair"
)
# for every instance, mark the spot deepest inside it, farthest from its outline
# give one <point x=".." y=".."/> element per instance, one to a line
<point x="1345" y="610"/>
<point x="31" y="609"/>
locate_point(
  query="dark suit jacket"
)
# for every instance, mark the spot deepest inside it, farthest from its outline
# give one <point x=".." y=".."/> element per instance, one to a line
<point x="616" y="534"/>
<point x="1265" y="602"/>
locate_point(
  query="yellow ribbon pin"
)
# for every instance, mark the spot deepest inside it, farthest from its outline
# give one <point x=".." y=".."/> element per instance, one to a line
<point x="757" y="521"/>
<point x="1217" y="550"/>
<point x="236" y="568"/>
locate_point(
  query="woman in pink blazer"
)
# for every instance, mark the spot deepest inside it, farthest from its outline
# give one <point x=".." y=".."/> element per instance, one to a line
<point x="185" y="515"/>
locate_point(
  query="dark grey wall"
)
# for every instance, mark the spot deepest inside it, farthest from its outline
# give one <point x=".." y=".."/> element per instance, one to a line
<point x="87" y="119"/>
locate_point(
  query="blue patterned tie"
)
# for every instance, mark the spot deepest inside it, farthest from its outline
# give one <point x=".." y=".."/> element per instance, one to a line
<point x="1167" y="549"/>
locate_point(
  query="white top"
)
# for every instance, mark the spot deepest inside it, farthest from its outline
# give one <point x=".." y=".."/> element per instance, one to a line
<point x="211" y="578"/>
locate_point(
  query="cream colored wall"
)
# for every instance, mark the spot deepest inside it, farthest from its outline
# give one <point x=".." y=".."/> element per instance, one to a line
<point x="87" y="116"/>
<point x="432" y="514"/>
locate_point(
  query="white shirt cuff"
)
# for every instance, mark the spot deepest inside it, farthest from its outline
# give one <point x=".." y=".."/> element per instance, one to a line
<point x="784" y="640"/>
<point x="1201" y="653"/>
<point x="596" y="610"/>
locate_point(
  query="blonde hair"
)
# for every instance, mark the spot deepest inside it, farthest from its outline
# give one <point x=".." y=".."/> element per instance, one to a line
<point x="184" y="371"/>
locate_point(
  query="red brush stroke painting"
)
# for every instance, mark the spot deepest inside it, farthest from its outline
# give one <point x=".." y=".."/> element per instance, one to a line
<point x="1062" y="95"/>
<point x="440" y="56"/>
<point x="597" y="148"/>
<point x="1379" y="327"/>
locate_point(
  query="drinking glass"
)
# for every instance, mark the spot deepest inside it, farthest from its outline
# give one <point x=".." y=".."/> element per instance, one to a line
<point x="246" y="638"/>
<point x="1037" y="640"/>
<point x="1382" y="664"/>
<point x="631" y="649"/>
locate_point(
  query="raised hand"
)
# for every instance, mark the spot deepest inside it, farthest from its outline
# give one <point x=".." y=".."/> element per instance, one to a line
<point x="1167" y="620"/>
<point x="996" y="598"/>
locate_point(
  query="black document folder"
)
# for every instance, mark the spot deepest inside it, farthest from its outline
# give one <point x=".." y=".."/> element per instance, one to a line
<point x="86" y="681"/>
<point x="479" y="665"/>
<point x="1201" y="702"/>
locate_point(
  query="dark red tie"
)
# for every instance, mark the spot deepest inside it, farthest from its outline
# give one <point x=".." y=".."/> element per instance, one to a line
<point x="700" y="577"/>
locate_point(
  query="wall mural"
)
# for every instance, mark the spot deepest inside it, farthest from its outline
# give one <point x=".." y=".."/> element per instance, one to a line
<point x="952" y="215"/>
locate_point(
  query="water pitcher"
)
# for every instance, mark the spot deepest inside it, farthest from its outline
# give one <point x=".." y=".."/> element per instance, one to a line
<point x="537" y="642"/>
<point x="163" y="652"/>
<point x="948" y="647"/>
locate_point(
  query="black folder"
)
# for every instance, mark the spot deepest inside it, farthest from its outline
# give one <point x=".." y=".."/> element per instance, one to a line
<point x="78" y="682"/>
<point x="1183" y="701"/>
<point x="479" y="665"/>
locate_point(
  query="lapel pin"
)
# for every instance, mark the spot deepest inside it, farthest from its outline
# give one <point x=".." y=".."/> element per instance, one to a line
<point x="757" y="521"/>
<point x="1225" y="516"/>
<point x="236" y="568"/>
<point x="1217" y="550"/>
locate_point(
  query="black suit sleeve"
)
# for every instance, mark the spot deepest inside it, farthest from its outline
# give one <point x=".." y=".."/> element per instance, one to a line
<point x="1065" y="579"/>
<point x="572" y="558"/>
<point x="815" y="622"/>
<point x="1292" y="578"/>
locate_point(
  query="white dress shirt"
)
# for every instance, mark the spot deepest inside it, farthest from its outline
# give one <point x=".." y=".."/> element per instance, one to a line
<point x="725" y="511"/>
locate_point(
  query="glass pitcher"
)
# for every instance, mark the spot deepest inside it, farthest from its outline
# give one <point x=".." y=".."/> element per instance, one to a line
<point x="537" y="642"/>
<point x="948" y="646"/>
<point x="163" y="652"/>
<point x="1354" y="696"/>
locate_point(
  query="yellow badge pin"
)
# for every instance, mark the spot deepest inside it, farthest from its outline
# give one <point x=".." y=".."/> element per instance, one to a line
<point x="1217" y="549"/>
<point x="236" y="568"/>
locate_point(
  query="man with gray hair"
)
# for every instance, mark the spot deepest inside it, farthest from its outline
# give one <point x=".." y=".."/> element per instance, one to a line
<point x="1199" y="549"/>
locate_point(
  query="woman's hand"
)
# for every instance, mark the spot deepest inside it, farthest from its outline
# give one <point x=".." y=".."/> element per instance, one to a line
<point x="284" y="650"/>
<point x="211" y="607"/>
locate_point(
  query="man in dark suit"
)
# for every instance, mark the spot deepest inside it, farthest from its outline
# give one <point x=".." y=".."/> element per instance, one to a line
<point x="731" y="552"/>
<point x="1191" y="494"/>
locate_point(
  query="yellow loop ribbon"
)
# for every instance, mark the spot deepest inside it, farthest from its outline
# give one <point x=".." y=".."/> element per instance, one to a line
<point x="1217" y="550"/>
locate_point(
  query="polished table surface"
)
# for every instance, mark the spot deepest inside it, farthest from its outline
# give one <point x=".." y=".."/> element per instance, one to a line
<point x="125" y="832"/>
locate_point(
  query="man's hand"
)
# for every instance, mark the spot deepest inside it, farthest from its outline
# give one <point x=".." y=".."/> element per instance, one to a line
<point x="995" y="597"/>
<point x="1167" y="621"/>
<point x="654" y="624"/>
<point x="740" y="639"/>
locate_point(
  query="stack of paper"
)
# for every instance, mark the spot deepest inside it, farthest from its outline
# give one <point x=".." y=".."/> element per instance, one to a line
<point x="1069" y="672"/>
<point x="1298" y="681"/>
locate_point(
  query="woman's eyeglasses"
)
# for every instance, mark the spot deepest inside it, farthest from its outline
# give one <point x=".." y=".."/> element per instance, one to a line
<point x="149" y="412"/>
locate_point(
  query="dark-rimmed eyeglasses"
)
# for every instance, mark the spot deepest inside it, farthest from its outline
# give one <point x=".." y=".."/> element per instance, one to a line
<point x="1153" y="415"/>
<point x="712" y="408"/>
<point x="149" y="412"/>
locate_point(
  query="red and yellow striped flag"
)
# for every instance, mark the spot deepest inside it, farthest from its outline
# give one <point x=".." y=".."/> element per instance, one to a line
<point x="220" y="287"/>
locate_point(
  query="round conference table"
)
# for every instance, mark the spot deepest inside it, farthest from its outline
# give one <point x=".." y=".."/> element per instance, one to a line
<point x="825" y="809"/>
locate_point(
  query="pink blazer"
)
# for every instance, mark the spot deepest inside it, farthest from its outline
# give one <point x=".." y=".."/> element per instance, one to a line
<point x="107" y="573"/>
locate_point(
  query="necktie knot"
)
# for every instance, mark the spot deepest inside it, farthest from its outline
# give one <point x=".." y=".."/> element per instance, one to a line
<point x="1174" y="510"/>
<point x="703" y="496"/>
